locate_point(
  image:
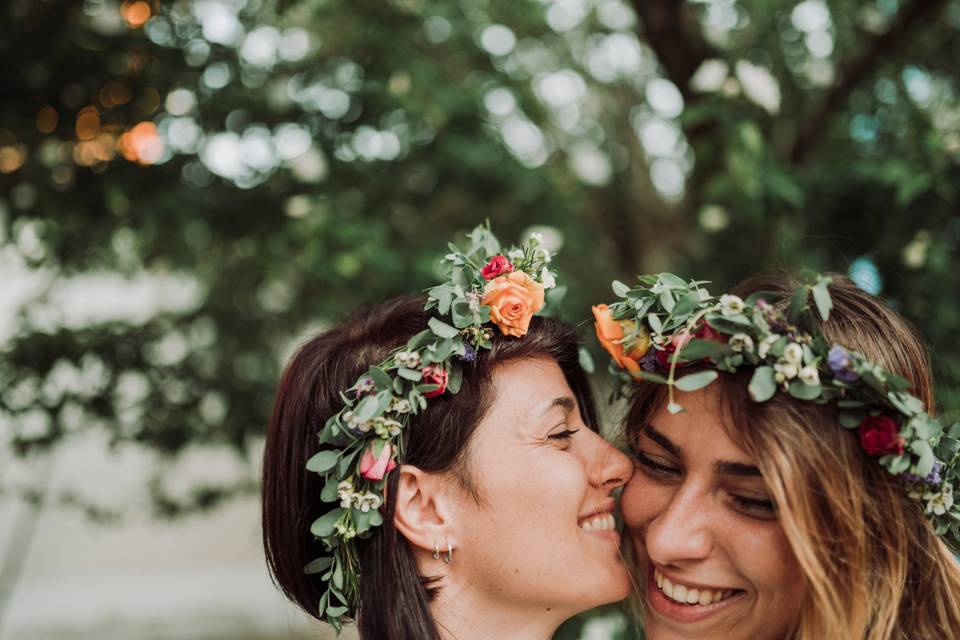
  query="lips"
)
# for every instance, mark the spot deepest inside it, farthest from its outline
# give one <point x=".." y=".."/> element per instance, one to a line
<point x="681" y="602"/>
<point x="685" y="594"/>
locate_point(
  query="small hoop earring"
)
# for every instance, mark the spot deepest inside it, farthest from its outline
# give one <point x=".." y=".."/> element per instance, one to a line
<point x="448" y="556"/>
<point x="436" y="550"/>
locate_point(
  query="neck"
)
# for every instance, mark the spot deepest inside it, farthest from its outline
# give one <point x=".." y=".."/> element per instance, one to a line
<point x="461" y="613"/>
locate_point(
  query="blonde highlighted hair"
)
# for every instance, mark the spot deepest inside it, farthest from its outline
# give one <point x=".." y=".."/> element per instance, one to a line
<point x="874" y="568"/>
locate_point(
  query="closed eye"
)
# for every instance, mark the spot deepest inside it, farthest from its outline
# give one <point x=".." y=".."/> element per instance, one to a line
<point x="563" y="435"/>
<point x="655" y="468"/>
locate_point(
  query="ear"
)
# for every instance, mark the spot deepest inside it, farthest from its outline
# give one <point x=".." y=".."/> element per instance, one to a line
<point x="422" y="513"/>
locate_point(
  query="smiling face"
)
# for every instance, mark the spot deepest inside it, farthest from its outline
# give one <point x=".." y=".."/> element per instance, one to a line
<point x="705" y="532"/>
<point x="542" y="537"/>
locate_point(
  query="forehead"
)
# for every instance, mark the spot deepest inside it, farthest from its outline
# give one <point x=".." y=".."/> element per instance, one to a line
<point x="702" y="430"/>
<point x="524" y="389"/>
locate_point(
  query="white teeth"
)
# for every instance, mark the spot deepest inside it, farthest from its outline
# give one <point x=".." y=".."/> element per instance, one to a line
<point x="603" y="522"/>
<point x="689" y="595"/>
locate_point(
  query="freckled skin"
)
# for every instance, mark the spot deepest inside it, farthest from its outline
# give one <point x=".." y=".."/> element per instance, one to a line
<point x="692" y="529"/>
<point x="521" y="553"/>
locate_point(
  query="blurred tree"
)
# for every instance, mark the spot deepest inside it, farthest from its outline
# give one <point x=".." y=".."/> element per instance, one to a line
<point x="244" y="171"/>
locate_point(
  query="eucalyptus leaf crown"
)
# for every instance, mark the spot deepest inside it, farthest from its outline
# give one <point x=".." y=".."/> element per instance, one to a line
<point x="666" y="323"/>
<point x="485" y="290"/>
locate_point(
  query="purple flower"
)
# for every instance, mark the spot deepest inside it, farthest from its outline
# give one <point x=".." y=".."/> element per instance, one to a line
<point x="933" y="478"/>
<point x="649" y="360"/>
<point x="841" y="363"/>
<point x="469" y="354"/>
<point x="364" y="385"/>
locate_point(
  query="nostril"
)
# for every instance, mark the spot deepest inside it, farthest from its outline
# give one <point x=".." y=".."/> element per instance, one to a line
<point x="614" y="482"/>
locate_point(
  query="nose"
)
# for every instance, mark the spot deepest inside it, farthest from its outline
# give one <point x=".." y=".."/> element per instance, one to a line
<point x="680" y="532"/>
<point x="608" y="468"/>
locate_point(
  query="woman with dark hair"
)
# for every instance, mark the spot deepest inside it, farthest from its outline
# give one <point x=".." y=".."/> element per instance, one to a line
<point x="478" y="502"/>
<point x="792" y="482"/>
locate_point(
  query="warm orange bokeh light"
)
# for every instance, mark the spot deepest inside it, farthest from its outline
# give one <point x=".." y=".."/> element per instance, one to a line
<point x="142" y="144"/>
<point x="12" y="158"/>
<point x="113" y="94"/>
<point x="135" y="14"/>
<point x="47" y="120"/>
<point x="88" y="123"/>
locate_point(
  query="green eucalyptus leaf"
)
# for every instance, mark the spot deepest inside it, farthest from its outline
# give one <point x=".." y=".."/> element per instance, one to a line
<point x="851" y="418"/>
<point x="346" y="460"/>
<point x="330" y="487"/>
<point x="409" y="374"/>
<point x="769" y="296"/>
<point x="336" y="612"/>
<point x="652" y="377"/>
<point x="667" y="301"/>
<point x="454" y="378"/>
<point x="698" y="348"/>
<point x="803" y="391"/>
<point x="654" y="321"/>
<point x="672" y="281"/>
<point x="420" y="340"/>
<point x="926" y="459"/>
<point x="322" y="461"/>
<point x="375" y="519"/>
<point x="322" y="527"/>
<point x="955" y="431"/>
<point x="380" y="377"/>
<point x="821" y="297"/>
<point x="695" y="381"/>
<point x="762" y="384"/>
<point x="586" y="361"/>
<point x="441" y="328"/>
<point x="686" y="305"/>
<point x="797" y="304"/>
<point x="619" y="289"/>
<point x="367" y="409"/>
<point x="319" y="565"/>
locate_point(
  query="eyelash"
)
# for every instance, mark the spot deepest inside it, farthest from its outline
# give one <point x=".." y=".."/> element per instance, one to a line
<point x="759" y="508"/>
<point x="563" y="435"/>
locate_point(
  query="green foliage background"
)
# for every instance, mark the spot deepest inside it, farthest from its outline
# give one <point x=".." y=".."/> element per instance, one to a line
<point x="314" y="155"/>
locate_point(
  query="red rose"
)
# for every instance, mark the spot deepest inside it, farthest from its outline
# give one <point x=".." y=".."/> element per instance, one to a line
<point x="879" y="435"/>
<point x="433" y="374"/>
<point x="704" y="332"/>
<point x="497" y="266"/>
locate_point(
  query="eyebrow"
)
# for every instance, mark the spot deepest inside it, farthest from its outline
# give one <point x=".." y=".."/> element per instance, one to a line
<point x="565" y="402"/>
<point x="723" y="467"/>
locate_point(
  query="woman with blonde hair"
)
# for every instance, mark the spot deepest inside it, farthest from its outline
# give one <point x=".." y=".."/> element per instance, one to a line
<point x="791" y="482"/>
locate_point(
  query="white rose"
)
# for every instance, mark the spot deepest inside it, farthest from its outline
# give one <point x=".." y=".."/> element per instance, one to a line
<point x="765" y="345"/>
<point x="788" y="369"/>
<point x="547" y="279"/>
<point x="809" y="375"/>
<point x="731" y="305"/>
<point x="793" y="353"/>
<point x="741" y="342"/>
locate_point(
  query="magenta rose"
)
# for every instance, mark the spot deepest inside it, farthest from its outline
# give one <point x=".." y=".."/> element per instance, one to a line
<point x="374" y="467"/>
<point x="498" y="265"/>
<point x="433" y="374"/>
<point x="879" y="435"/>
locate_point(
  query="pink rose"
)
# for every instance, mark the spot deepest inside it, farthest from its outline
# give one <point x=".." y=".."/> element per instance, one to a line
<point x="879" y="435"/>
<point x="374" y="467"/>
<point x="665" y="355"/>
<point x="433" y="374"/>
<point x="496" y="266"/>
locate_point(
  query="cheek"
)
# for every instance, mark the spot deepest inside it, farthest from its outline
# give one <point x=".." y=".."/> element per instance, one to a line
<point x="768" y="561"/>
<point x="642" y="500"/>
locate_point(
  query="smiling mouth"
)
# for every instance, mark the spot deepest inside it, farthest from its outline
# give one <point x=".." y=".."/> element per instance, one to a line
<point x="683" y="594"/>
<point x="600" y="522"/>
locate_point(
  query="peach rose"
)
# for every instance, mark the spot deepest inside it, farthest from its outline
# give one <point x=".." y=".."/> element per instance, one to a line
<point x="513" y="299"/>
<point x="610" y="334"/>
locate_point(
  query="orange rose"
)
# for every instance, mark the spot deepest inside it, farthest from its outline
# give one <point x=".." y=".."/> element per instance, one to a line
<point x="513" y="299"/>
<point x="611" y="336"/>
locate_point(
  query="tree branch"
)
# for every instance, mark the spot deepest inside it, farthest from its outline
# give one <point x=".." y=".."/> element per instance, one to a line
<point x="669" y="27"/>
<point x="858" y="70"/>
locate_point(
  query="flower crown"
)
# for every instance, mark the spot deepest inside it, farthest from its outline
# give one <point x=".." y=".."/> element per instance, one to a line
<point x="665" y="323"/>
<point x="363" y="442"/>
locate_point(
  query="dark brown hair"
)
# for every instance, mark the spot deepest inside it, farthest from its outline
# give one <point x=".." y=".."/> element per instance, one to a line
<point x="437" y="440"/>
<point x="875" y="569"/>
